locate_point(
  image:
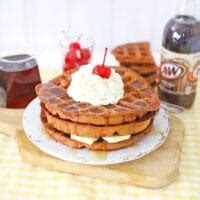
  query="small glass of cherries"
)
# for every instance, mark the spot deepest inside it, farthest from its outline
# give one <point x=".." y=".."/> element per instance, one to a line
<point x="77" y="50"/>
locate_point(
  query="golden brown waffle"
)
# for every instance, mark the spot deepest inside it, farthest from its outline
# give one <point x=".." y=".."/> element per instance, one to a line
<point x="151" y="78"/>
<point x="137" y="57"/>
<point x="134" y="53"/>
<point x="138" y="100"/>
<point x="100" y="145"/>
<point x="142" y="69"/>
<point x="88" y="130"/>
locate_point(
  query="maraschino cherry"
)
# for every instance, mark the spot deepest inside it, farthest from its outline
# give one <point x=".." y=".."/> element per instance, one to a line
<point x="75" y="46"/>
<point x="102" y="70"/>
<point x="76" y="56"/>
<point x="71" y="60"/>
<point x="85" y="56"/>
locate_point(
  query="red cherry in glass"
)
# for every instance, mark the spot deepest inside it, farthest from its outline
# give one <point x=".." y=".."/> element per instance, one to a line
<point x="102" y="71"/>
<point x="78" y="54"/>
<point x="71" y="57"/>
<point x="69" y="65"/>
<point x="83" y="61"/>
<point x="74" y="46"/>
<point x="85" y="54"/>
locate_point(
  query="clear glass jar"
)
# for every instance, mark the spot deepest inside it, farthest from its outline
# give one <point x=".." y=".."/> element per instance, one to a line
<point x="73" y="58"/>
<point x="19" y="74"/>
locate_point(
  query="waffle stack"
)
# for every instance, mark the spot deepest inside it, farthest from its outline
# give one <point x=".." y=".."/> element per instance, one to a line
<point x="137" y="57"/>
<point x="66" y="120"/>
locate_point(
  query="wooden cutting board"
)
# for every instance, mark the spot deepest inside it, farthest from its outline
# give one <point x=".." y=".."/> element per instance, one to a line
<point x="155" y="170"/>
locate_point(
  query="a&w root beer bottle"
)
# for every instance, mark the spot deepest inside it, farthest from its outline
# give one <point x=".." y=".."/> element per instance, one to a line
<point x="180" y="57"/>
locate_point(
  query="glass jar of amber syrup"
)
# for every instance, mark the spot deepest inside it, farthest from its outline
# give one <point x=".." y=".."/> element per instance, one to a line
<point x="19" y="74"/>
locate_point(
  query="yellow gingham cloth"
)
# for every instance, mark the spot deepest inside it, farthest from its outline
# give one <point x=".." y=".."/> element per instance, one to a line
<point x="19" y="180"/>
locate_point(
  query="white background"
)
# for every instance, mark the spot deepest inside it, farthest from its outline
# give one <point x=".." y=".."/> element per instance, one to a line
<point x="38" y="23"/>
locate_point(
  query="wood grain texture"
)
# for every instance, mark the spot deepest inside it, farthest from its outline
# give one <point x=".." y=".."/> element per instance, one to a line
<point x="155" y="170"/>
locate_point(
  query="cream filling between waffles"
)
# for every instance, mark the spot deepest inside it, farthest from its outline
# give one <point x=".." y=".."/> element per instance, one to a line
<point x="91" y="88"/>
<point x="111" y="139"/>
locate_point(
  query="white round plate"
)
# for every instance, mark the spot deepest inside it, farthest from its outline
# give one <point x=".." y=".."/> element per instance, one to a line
<point x="37" y="135"/>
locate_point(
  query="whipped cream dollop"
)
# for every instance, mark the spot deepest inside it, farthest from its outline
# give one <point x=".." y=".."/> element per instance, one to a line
<point x="91" y="88"/>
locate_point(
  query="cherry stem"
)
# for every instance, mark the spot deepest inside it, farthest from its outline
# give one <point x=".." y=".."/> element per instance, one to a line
<point x="65" y="34"/>
<point x="104" y="57"/>
<point x="67" y="37"/>
<point x="79" y="37"/>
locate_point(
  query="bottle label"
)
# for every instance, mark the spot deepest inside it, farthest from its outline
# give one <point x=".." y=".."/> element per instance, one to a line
<point x="178" y="72"/>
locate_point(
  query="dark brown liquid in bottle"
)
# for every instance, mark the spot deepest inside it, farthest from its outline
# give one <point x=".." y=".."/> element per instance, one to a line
<point x="181" y="35"/>
<point x="19" y="84"/>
